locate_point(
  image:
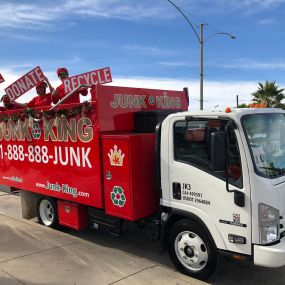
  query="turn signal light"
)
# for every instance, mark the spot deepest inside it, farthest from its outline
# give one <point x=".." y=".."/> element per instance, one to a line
<point x="239" y="257"/>
<point x="236" y="239"/>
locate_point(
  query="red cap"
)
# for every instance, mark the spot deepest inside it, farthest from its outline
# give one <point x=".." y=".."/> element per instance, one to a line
<point x="41" y="84"/>
<point x="61" y="69"/>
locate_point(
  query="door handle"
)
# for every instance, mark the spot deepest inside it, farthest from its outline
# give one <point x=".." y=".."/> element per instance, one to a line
<point x="176" y="187"/>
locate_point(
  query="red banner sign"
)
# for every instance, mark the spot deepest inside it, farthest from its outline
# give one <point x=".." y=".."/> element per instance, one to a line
<point x="25" y="83"/>
<point x="1" y="78"/>
<point x="100" y="76"/>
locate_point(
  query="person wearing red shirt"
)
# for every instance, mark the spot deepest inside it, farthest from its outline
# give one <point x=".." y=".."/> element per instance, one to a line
<point x="59" y="92"/>
<point x="42" y="99"/>
<point x="8" y="105"/>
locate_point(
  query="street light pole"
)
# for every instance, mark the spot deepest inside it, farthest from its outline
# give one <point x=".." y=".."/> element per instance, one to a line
<point x="201" y="66"/>
<point x="201" y="42"/>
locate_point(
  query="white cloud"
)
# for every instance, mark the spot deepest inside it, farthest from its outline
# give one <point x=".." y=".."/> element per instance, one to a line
<point x="266" y="22"/>
<point x="34" y="15"/>
<point x="26" y="15"/>
<point x="174" y="63"/>
<point x="138" y="49"/>
<point x="248" y="64"/>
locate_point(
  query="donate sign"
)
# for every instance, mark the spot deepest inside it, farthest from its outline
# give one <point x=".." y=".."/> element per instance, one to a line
<point x="25" y="83"/>
<point x="100" y="76"/>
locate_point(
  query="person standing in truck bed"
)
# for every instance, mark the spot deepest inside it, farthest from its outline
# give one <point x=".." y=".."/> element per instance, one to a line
<point x="59" y="92"/>
<point x="43" y="99"/>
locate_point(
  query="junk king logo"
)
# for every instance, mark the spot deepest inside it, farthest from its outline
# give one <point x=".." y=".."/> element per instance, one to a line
<point x="142" y="101"/>
<point x="58" y="130"/>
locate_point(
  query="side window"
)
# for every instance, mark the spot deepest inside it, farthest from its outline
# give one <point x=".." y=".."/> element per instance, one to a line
<point x="192" y="145"/>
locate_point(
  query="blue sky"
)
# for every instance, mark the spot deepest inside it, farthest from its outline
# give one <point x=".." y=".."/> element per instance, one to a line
<point x="147" y="43"/>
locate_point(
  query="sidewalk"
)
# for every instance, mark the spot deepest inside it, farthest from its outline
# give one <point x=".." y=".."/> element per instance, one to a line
<point x="32" y="254"/>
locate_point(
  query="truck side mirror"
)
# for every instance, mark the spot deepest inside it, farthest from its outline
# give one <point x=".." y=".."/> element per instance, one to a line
<point x="218" y="151"/>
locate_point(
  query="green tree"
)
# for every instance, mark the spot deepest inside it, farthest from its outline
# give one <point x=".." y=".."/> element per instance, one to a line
<point x="243" y="105"/>
<point x="270" y="93"/>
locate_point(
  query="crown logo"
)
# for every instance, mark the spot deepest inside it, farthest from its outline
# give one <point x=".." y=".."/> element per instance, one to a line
<point x="116" y="157"/>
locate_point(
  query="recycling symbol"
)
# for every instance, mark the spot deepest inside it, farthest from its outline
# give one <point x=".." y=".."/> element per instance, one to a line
<point x="118" y="197"/>
<point x="36" y="131"/>
<point x="151" y="100"/>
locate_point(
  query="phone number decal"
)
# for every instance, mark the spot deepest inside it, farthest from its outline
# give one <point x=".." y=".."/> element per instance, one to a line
<point x="78" y="156"/>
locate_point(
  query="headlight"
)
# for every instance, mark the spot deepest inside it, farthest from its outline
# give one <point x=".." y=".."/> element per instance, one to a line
<point x="269" y="221"/>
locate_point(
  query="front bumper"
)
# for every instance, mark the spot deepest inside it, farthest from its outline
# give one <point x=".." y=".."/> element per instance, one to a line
<point x="270" y="256"/>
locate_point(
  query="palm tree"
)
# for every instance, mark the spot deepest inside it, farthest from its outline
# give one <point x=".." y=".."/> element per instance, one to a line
<point x="270" y="93"/>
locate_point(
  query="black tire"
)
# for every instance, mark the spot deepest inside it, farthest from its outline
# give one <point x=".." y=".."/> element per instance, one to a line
<point x="192" y="250"/>
<point x="47" y="212"/>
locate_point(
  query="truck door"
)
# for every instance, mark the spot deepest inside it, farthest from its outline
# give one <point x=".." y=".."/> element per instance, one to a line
<point x="195" y="188"/>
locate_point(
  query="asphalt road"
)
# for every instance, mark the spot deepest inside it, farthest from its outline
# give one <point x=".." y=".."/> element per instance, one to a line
<point x="33" y="254"/>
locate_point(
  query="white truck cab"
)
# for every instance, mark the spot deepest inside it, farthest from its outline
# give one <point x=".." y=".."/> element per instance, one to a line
<point x="223" y="187"/>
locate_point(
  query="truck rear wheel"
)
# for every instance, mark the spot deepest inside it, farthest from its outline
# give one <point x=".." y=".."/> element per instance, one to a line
<point x="47" y="212"/>
<point x="192" y="250"/>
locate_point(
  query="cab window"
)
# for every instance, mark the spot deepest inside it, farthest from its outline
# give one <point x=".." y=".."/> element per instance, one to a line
<point x="192" y="145"/>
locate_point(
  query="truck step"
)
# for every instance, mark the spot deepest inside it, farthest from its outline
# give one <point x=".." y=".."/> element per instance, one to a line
<point x="101" y="221"/>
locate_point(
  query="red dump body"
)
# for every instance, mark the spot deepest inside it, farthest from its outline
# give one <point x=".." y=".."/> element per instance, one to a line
<point x="89" y="154"/>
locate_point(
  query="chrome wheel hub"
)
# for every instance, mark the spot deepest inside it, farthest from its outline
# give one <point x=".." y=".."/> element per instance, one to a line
<point x="191" y="250"/>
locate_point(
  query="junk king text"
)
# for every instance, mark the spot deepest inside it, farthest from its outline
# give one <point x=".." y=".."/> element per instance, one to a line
<point x="60" y="130"/>
<point x="141" y="101"/>
<point x="56" y="130"/>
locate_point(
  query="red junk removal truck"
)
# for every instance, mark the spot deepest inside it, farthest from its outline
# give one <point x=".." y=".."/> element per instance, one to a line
<point x="206" y="183"/>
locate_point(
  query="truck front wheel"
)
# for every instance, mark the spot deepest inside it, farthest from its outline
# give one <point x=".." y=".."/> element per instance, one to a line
<point x="192" y="250"/>
<point x="47" y="212"/>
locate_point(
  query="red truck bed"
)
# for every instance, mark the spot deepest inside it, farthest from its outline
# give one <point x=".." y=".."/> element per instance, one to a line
<point x="62" y="153"/>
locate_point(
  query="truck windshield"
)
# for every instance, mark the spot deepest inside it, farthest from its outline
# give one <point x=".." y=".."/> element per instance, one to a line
<point x="266" y="137"/>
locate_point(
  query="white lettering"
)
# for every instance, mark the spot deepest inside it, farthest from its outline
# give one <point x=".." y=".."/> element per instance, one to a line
<point x="16" y="90"/>
<point x="75" y="156"/>
<point x="29" y="82"/>
<point x="73" y="82"/>
<point x="39" y="74"/>
<point x="93" y="76"/>
<point x="107" y="75"/>
<point x="86" y="78"/>
<point x="80" y="80"/>
<point x="85" y="159"/>
<point x="67" y="86"/>
<point x="22" y="85"/>
<point x="10" y="94"/>
<point x="33" y="76"/>
<point x="99" y="78"/>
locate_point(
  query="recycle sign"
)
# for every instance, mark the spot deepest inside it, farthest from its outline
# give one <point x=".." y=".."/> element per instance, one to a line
<point x="118" y="197"/>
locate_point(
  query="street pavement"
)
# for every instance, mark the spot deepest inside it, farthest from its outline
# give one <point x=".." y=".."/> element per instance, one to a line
<point x="32" y="254"/>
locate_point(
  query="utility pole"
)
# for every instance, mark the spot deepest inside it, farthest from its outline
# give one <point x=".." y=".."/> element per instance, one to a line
<point x="237" y="101"/>
<point x="201" y="66"/>
<point x="201" y="42"/>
